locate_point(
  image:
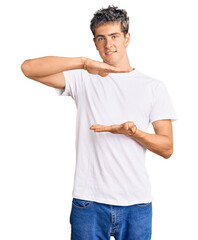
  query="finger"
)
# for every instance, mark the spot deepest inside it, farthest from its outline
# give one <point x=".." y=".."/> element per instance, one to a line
<point x="99" y="127"/>
<point x="102" y="129"/>
<point x="133" y="130"/>
<point x="125" y="126"/>
<point x="130" y="124"/>
<point x="96" y="126"/>
<point x="118" y="70"/>
<point x="102" y="74"/>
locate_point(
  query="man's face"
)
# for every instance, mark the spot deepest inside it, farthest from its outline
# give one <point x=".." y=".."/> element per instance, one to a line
<point x="111" y="43"/>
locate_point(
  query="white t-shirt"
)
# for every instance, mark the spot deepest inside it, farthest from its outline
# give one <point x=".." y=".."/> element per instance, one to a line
<point x="110" y="168"/>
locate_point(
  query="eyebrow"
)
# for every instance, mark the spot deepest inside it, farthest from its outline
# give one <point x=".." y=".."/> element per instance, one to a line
<point x="108" y="35"/>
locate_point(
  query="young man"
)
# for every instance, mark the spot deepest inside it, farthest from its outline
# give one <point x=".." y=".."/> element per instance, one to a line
<point x="115" y="104"/>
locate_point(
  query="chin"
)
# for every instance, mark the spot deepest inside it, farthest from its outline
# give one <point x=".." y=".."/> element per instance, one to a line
<point x="110" y="62"/>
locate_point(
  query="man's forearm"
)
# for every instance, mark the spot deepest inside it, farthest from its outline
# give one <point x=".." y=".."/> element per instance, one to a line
<point x="45" y="66"/>
<point x="158" y="144"/>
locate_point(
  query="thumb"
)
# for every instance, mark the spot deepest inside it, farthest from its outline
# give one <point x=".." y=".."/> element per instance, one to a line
<point x="125" y="126"/>
<point x="134" y="128"/>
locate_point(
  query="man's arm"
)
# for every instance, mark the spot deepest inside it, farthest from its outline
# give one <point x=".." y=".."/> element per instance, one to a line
<point x="161" y="142"/>
<point x="48" y="70"/>
<point x="45" y="66"/>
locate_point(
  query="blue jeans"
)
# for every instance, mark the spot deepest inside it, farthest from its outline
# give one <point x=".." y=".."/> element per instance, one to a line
<point x="98" y="221"/>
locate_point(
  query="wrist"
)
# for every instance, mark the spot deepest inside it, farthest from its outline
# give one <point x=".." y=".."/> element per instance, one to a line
<point x="84" y="61"/>
<point x="139" y="134"/>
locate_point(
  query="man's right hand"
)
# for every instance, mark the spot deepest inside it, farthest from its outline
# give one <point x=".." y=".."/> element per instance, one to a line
<point x="101" y="68"/>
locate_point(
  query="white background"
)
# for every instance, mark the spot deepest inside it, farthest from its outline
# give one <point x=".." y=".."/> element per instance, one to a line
<point x="37" y="128"/>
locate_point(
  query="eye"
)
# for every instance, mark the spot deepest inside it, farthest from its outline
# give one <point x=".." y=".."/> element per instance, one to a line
<point x="115" y="36"/>
<point x="100" y="39"/>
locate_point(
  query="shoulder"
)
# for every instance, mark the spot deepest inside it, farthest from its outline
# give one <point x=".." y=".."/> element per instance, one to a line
<point x="148" y="80"/>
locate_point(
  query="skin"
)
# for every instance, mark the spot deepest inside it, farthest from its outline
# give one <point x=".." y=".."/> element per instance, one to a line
<point x="102" y="68"/>
<point x="161" y="142"/>
<point x="116" y="42"/>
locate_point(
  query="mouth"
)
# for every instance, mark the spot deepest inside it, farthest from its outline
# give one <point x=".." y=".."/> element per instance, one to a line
<point x="110" y="53"/>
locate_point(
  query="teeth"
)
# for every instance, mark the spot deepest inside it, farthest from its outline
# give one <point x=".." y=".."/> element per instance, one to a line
<point x="109" y="53"/>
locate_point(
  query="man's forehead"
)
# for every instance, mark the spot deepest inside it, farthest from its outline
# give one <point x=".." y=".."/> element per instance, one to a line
<point x="108" y="29"/>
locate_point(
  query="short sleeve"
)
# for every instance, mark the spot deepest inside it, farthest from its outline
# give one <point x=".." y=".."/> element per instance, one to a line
<point x="73" y="82"/>
<point x="162" y="106"/>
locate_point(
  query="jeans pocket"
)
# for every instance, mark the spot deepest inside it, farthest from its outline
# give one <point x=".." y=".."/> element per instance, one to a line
<point x="143" y="205"/>
<point x="81" y="204"/>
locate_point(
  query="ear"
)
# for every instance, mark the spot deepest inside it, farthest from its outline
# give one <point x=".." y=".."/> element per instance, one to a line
<point x="127" y="40"/>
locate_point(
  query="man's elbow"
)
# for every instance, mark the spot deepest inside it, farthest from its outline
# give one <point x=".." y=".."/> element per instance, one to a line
<point x="168" y="154"/>
<point x="25" y="68"/>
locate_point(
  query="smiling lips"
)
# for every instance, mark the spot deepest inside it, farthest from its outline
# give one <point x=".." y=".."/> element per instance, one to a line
<point x="110" y="53"/>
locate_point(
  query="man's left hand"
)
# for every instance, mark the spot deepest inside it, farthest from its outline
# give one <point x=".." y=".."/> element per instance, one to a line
<point x="127" y="128"/>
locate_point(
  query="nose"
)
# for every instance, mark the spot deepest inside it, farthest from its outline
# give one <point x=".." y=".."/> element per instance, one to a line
<point x="108" y="43"/>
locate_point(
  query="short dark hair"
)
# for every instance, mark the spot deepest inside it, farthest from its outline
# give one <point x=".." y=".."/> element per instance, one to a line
<point x="110" y="14"/>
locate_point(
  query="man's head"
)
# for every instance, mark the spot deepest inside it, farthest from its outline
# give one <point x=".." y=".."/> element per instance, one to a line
<point x="110" y="29"/>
